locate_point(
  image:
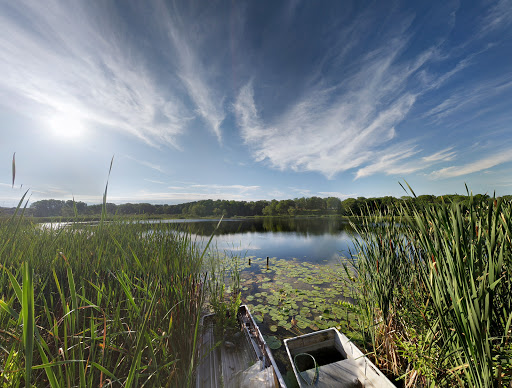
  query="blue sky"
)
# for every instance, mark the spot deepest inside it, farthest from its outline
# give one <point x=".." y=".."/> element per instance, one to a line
<point x="254" y="100"/>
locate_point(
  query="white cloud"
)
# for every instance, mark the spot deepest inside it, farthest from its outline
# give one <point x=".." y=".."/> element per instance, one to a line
<point x="194" y="73"/>
<point x="209" y="110"/>
<point x="470" y="98"/>
<point x="336" y="129"/>
<point x="145" y="163"/>
<point x="188" y="196"/>
<point x="499" y="15"/>
<point x="69" y="58"/>
<point x="301" y="191"/>
<point x="476" y="166"/>
<point x="154" y="181"/>
<point x="391" y="162"/>
<point x="177" y="194"/>
<point x="276" y="194"/>
<point x="354" y="123"/>
<point x="328" y="139"/>
<point x="442" y="156"/>
<point x="397" y="160"/>
<point x="215" y="187"/>
<point x="309" y="193"/>
<point x="192" y="192"/>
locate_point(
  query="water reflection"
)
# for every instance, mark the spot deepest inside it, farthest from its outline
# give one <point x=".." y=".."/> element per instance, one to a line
<point x="302" y="226"/>
<point x="314" y="240"/>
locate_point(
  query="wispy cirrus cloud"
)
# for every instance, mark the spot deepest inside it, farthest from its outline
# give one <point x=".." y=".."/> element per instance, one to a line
<point x="499" y="15"/>
<point x="358" y="121"/>
<point x="193" y="72"/>
<point x="301" y="191"/>
<point x="214" y="187"/>
<point x="398" y="161"/>
<point x="193" y="193"/>
<point x="352" y="124"/>
<point x="62" y="58"/>
<point x="58" y="58"/>
<point x="470" y="98"/>
<point x="328" y="131"/>
<point x="146" y="163"/>
<point x="172" y="194"/>
<point x="323" y="194"/>
<point x="481" y="164"/>
<point x="442" y="156"/>
<point x="154" y="181"/>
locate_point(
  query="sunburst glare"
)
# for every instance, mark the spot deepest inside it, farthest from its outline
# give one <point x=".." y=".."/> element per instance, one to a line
<point x="66" y="126"/>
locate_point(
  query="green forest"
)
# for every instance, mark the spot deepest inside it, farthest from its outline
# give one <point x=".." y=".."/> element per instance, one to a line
<point x="312" y="206"/>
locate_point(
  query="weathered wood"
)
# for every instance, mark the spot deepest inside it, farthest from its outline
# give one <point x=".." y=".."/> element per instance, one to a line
<point x="240" y="360"/>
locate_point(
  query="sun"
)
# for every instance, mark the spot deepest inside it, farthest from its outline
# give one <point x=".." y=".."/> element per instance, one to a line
<point x="66" y="126"/>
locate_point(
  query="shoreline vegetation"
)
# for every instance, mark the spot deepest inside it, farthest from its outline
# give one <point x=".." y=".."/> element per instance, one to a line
<point x="435" y="291"/>
<point x="111" y="304"/>
<point x="354" y="209"/>
<point x="52" y="209"/>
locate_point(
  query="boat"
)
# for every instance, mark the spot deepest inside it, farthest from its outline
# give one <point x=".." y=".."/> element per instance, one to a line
<point x="239" y="359"/>
<point x="327" y="358"/>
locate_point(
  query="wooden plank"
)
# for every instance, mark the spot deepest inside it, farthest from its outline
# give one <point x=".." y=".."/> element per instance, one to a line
<point x="227" y="363"/>
<point x="209" y="371"/>
<point x="235" y="361"/>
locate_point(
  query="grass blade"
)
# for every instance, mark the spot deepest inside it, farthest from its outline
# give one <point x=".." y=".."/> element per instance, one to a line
<point x="28" y="321"/>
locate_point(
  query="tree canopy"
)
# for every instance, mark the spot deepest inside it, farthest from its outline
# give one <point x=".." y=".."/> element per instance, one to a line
<point x="215" y="208"/>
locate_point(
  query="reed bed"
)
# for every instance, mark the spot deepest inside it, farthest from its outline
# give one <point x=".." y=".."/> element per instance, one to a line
<point x="116" y="304"/>
<point x="435" y="290"/>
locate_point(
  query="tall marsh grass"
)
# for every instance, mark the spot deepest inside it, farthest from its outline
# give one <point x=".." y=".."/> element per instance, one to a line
<point x="116" y="304"/>
<point x="436" y="292"/>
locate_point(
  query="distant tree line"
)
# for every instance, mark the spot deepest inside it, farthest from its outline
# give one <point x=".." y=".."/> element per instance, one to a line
<point x="216" y="208"/>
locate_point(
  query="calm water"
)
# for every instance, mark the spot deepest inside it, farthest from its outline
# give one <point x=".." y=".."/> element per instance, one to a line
<point x="318" y="240"/>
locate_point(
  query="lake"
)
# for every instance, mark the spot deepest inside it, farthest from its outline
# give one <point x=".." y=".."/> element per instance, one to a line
<point x="315" y="240"/>
<point x="302" y="289"/>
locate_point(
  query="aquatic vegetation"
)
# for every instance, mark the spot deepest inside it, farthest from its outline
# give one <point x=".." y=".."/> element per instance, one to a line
<point x="311" y="294"/>
<point x="435" y="288"/>
<point x="273" y="342"/>
<point x="293" y="297"/>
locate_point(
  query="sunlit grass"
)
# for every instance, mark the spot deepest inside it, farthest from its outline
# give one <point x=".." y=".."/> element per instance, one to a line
<point x="436" y="292"/>
<point x="117" y="304"/>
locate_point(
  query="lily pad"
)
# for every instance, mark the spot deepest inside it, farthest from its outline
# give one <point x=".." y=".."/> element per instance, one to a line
<point x="273" y="342"/>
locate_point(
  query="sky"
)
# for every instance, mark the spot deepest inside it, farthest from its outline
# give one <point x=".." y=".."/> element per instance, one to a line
<point x="249" y="100"/>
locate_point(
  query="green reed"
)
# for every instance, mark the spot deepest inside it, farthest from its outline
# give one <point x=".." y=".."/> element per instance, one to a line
<point x="436" y="292"/>
<point x="114" y="304"/>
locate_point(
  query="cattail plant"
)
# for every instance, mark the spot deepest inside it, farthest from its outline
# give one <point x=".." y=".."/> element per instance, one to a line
<point x="435" y="291"/>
